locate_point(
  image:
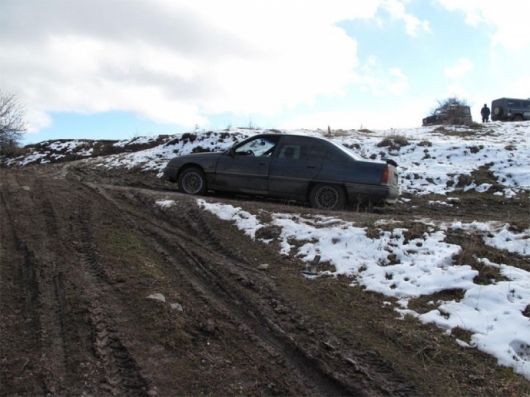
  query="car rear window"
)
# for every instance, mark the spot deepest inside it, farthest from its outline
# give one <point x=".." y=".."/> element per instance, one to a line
<point x="350" y="153"/>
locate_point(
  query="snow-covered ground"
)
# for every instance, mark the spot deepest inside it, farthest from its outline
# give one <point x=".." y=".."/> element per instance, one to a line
<point x="431" y="162"/>
<point x="492" y="313"/>
<point x="427" y="163"/>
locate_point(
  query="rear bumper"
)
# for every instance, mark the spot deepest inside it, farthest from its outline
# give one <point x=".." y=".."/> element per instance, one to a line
<point x="373" y="193"/>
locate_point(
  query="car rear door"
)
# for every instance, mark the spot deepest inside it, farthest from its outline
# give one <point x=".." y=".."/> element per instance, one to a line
<point x="289" y="175"/>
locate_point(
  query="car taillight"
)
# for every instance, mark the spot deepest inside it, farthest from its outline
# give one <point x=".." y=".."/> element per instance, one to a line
<point x="386" y="176"/>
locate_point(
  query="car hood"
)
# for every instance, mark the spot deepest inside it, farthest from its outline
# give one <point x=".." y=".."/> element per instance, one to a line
<point x="199" y="158"/>
<point x="434" y="117"/>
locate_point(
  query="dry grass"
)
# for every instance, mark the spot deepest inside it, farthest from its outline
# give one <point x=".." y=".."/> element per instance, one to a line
<point x="394" y="142"/>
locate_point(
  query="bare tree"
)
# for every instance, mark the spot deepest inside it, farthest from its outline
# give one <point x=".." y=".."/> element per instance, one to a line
<point x="12" y="124"/>
<point x="452" y="101"/>
<point x="453" y="110"/>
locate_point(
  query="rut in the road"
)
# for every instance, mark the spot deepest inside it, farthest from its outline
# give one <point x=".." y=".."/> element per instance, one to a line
<point x="186" y="248"/>
<point x="55" y="340"/>
<point x="121" y="375"/>
<point x="242" y="293"/>
<point x="76" y="319"/>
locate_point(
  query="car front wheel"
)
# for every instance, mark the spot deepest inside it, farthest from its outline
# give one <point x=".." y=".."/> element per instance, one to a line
<point x="192" y="181"/>
<point x="328" y="197"/>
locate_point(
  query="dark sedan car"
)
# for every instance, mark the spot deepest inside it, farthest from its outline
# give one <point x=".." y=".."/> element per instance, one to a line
<point x="294" y="167"/>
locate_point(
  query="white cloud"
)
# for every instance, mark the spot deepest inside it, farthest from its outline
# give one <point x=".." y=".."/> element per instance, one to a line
<point x="463" y="65"/>
<point x="175" y="62"/>
<point x="37" y="120"/>
<point x="413" y="25"/>
<point x="400" y="115"/>
<point x="381" y="81"/>
<point x="400" y="85"/>
<point x="509" y="18"/>
<point x="520" y="88"/>
<point x="456" y="90"/>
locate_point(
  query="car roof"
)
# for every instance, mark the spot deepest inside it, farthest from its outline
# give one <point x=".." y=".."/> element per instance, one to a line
<point x="294" y="135"/>
<point x="453" y="105"/>
<point x="512" y="99"/>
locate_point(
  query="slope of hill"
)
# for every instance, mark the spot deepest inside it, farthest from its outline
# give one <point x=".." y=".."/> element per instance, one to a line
<point x="431" y="159"/>
<point x="113" y="282"/>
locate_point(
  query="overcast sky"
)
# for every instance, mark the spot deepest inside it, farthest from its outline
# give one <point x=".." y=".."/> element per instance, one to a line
<point x="122" y="68"/>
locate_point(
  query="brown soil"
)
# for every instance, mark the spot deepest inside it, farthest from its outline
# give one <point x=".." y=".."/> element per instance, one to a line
<point x="81" y="251"/>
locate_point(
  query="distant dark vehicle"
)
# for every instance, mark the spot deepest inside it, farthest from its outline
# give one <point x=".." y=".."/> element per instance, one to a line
<point x="287" y="166"/>
<point x="510" y="109"/>
<point x="449" y="114"/>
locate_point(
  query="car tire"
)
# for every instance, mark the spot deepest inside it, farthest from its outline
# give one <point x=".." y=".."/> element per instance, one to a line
<point x="192" y="181"/>
<point x="327" y="197"/>
<point x="518" y="117"/>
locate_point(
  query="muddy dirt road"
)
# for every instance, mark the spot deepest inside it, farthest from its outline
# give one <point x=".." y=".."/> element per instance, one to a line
<point x="80" y="257"/>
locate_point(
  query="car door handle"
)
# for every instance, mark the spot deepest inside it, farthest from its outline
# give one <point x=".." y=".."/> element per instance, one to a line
<point x="311" y="166"/>
<point x="262" y="163"/>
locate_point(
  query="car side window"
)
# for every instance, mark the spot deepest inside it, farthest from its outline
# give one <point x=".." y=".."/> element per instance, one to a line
<point x="290" y="152"/>
<point x="296" y="148"/>
<point x="513" y="104"/>
<point x="525" y="104"/>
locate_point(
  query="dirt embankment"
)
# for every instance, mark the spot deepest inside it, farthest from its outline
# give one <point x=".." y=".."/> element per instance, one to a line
<point x="78" y="263"/>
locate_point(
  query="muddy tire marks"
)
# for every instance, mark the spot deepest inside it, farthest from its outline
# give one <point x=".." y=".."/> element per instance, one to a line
<point x="230" y="283"/>
<point x="120" y="374"/>
<point x="40" y="276"/>
<point x="78" y="262"/>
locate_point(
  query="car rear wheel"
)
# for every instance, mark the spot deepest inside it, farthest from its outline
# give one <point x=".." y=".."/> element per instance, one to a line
<point x="192" y="181"/>
<point x="328" y="197"/>
<point x="518" y="117"/>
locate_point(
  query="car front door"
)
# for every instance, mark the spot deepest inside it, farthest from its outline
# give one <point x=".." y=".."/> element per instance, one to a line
<point x="526" y="109"/>
<point x="245" y="168"/>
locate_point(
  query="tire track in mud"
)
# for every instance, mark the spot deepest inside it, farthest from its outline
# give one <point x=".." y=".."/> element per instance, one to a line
<point x="46" y="255"/>
<point x="186" y="253"/>
<point x="236" y="296"/>
<point x="386" y="382"/>
<point x="71" y="296"/>
<point x="59" y="346"/>
<point x="121" y="375"/>
<point x="64" y="331"/>
<point x="54" y="313"/>
<point x="10" y="186"/>
<point x="14" y="197"/>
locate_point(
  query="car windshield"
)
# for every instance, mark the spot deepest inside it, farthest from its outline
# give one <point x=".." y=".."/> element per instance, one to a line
<point x="347" y="151"/>
<point x="453" y="109"/>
